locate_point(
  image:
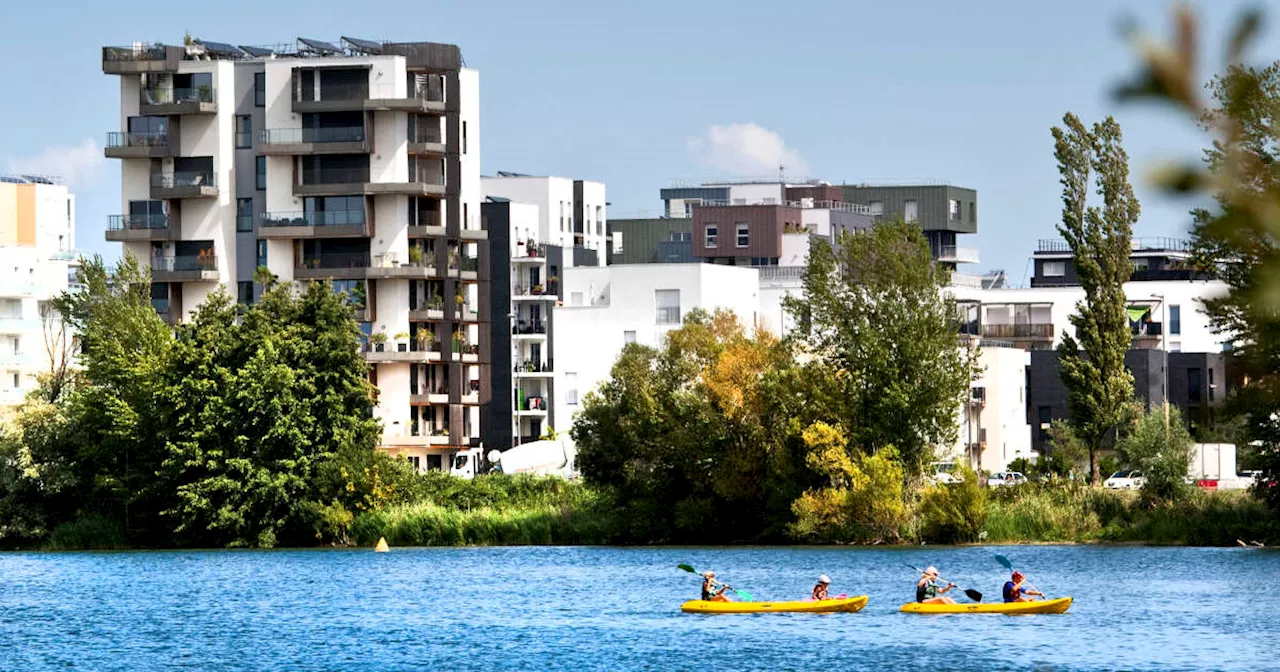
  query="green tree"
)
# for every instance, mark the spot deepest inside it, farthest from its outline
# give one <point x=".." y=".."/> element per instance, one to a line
<point x="884" y="360"/>
<point x="1162" y="449"/>
<point x="862" y="497"/>
<point x="1098" y="385"/>
<point x="953" y="513"/>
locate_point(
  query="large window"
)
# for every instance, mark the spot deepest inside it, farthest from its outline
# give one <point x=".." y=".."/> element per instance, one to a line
<point x="742" y="234"/>
<point x="244" y="292"/>
<point x="1175" y="320"/>
<point x="334" y="210"/>
<point x="1193" y="385"/>
<point x="911" y="211"/>
<point x="712" y="235"/>
<point x="1045" y="415"/>
<point x="571" y="389"/>
<point x="667" y="302"/>
<point x="262" y="253"/>
<point x="260" y="169"/>
<point x="877" y="207"/>
<point x="260" y="89"/>
<point x="244" y="131"/>
<point x="953" y="210"/>
<point x="1054" y="269"/>
<point x="244" y="214"/>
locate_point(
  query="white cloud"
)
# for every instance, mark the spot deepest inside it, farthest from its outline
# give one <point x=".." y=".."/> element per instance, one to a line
<point x="746" y="149"/>
<point x="78" y="166"/>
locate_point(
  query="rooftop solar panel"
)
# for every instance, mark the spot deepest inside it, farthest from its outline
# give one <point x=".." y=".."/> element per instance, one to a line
<point x="220" y="48"/>
<point x="257" y="52"/>
<point x="320" y="47"/>
<point x="364" y="46"/>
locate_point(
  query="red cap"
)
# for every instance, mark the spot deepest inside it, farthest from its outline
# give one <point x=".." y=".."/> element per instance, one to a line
<point x="1017" y="575"/>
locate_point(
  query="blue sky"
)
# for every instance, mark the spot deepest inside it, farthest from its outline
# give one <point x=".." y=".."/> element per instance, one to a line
<point x="637" y="94"/>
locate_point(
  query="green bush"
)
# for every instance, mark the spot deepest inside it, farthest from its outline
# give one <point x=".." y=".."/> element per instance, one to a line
<point x="953" y="512"/>
<point x="90" y="533"/>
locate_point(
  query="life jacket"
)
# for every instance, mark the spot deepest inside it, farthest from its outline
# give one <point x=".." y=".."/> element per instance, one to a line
<point x="1011" y="593"/>
<point x="926" y="591"/>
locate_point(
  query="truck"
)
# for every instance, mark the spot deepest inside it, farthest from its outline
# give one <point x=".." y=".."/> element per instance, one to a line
<point x="549" y="457"/>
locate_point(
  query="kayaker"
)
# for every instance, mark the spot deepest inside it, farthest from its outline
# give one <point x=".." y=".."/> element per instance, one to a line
<point x="929" y="591"/>
<point x="820" y="590"/>
<point x="1014" y="592"/>
<point x="709" y="591"/>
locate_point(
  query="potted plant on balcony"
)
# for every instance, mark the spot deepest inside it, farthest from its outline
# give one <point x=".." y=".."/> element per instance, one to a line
<point x="402" y="341"/>
<point x="436" y="302"/>
<point x="537" y="289"/>
<point x="415" y="255"/>
<point x="459" y="298"/>
<point x="552" y="283"/>
<point x="425" y="339"/>
<point x="204" y="93"/>
<point x="379" y="341"/>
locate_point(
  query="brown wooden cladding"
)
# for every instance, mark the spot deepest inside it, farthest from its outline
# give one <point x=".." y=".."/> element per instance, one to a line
<point x="765" y="224"/>
<point x="818" y="192"/>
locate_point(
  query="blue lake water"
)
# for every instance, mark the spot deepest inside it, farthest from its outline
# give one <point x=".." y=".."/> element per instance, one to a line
<point x="551" y="609"/>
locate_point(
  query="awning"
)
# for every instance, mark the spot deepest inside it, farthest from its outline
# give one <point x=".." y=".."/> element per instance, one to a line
<point x="1136" y="313"/>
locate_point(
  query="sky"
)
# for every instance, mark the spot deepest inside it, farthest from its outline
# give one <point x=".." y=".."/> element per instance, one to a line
<point x="638" y="94"/>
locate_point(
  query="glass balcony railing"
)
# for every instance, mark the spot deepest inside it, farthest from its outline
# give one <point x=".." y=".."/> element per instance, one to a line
<point x="285" y="136"/>
<point x="185" y="262"/>
<point x="199" y="94"/>
<point x="137" y="222"/>
<point x="337" y="260"/>
<point x="336" y="176"/>
<point x="327" y="218"/>
<point x="184" y="179"/>
<point x="147" y="139"/>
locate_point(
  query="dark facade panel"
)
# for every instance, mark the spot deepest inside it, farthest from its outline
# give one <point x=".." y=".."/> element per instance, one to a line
<point x="765" y="224"/>
<point x="496" y="413"/>
<point x="426" y="55"/>
<point x="932" y="204"/>
<point x="641" y="238"/>
<point x="818" y="192"/>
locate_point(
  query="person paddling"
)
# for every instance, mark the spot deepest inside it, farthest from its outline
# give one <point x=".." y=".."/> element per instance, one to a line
<point x="929" y="591"/>
<point x="709" y="588"/>
<point x="820" y="590"/>
<point x="1014" y="592"/>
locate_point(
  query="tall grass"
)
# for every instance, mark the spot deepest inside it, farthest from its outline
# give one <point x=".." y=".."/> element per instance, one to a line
<point x="90" y="533"/>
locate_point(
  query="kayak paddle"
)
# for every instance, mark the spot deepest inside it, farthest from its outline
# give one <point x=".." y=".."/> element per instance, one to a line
<point x="742" y="594"/>
<point x="972" y="594"/>
<point x="1008" y="564"/>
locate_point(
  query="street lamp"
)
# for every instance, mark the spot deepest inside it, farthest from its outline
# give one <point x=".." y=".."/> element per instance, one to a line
<point x="1164" y="367"/>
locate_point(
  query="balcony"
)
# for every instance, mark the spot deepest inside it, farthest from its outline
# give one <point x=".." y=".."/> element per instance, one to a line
<point x="425" y="224"/>
<point x="141" y="58"/>
<point x="185" y="268"/>
<point x="953" y="254"/>
<point x="292" y="141"/>
<point x="468" y="313"/>
<point x="125" y="228"/>
<point x="532" y="329"/>
<point x="164" y="102"/>
<point x="138" y="145"/>
<point x="545" y="292"/>
<point x="533" y="369"/>
<point x="530" y="253"/>
<point x="466" y="352"/>
<point x="1146" y="334"/>
<point x="335" y="224"/>
<point x="1024" y="331"/>
<point x="410" y="352"/>
<point x="333" y="182"/>
<point x="426" y="142"/>
<point x="197" y="184"/>
<point x="388" y="267"/>
<point x="430" y="394"/>
<point x="418" y="100"/>
<point x="333" y="266"/>
<point x="466" y="268"/>
<point x="164" y="310"/>
<point x="433" y="311"/>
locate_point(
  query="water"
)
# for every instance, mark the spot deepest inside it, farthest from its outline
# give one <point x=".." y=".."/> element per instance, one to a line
<point x="550" y="609"/>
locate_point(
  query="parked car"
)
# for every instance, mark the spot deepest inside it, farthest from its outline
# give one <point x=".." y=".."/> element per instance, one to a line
<point x="1125" y="479"/>
<point x="943" y="473"/>
<point x="1007" y="478"/>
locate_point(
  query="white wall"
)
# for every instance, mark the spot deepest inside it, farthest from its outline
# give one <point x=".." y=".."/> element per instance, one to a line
<point x="751" y="194"/>
<point x="1002" y="375"/>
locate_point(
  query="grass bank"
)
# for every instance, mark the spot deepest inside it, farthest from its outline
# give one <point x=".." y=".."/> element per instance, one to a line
<point x="1079" y="514"/>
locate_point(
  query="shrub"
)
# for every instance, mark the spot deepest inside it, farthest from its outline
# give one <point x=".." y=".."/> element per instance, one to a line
<point x="90" y="533"/>
<point x="953" y="512"/>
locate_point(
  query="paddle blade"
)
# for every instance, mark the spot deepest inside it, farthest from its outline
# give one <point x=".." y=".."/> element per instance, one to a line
<point x="744" y="595"/>
<point x="687" y="568"/>
<point x="1004" y="561"/>
<point x="973" y="594"/>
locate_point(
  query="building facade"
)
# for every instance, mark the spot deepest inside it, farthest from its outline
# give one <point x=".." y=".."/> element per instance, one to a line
<point x="37" y="239"/>
<point x="354" y="164"/>
<point x="571" y="213"/>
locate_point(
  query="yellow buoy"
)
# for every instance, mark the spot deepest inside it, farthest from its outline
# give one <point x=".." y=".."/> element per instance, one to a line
<point x="382" y="546"/>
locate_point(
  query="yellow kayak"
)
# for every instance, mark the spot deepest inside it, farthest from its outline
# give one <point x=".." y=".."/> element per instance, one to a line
<point x="1055" y="606"/>
<point x="846" y="604"/>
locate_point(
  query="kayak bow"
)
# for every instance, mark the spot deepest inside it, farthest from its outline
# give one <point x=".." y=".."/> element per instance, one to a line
<point x="850" y="605"/>
<point x="1055" y="606"/>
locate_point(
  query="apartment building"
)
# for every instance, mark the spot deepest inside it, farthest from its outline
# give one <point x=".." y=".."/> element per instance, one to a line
<point x="942" y="212"/>
<point x="571" y="213"/>
<point x="354" y="163"/>
<point x="37" y="239"/>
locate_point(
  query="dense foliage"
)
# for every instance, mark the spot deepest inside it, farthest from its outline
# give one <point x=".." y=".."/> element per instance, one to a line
<point x="1161" y="446"/>
<point x="245" y="426"/>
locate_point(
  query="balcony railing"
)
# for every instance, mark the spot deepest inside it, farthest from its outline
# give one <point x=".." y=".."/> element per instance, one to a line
<point x="531" y="250"/>
<point x="199" y="94"/>
<point x="470" y="264"/>
<point x="326" y="218"/>
<point x="335" y="176"/>
<point x="185" y="179"/>
<point x="1044" y="330"/>
<point x="533" y="367"/>
<point x="957" y="253"/>
<point x="147" y="139"/>
<point x="185" y="262"/>
<point x="529" y="327"/>
<point x="1145" y="329"/>
<point x="161" y="306"/>
<point x="337" y="260"/>
<point x="1147" y="243"/>
<point x="153" y="53"/>
<point x="287" y="136"/>
<point x="137" y="222"/>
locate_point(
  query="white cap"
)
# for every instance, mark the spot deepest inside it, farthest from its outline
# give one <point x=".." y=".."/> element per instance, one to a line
<point x="931" y="570"/>
<point x="824" y="579"/>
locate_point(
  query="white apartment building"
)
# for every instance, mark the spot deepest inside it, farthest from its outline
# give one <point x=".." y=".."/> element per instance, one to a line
<point x="571" y="213"/>
<point x="355" y="164"/>
<point x="37" y="239"/>
<point x="606" y="308"/>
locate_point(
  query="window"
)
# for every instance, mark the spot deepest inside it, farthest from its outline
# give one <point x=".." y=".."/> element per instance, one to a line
<point x="244" y="214"/>
<point x="1054" y="269"/>
<point x="973" y="212"/>
<point x="911" y="211"/>
<point x="1045" y="414"/>
<point x="667" y="302"/>
<point x="464" y="137"/>
<point x="953" y="210"/>
<point x="244" y="292"/>
<point x="1175" y="320"/>
<point x="711" y="235"/>
<point x="742" y="232"/>
<point x="262" y="253"/>
<point x="260" y="89"/>
<point x="415" y="462"/>
<point x="628" y="337"/>
<point x="571" y="389"/>
<point x="690" y="204"/>
<point x="16" y="383"/>
<point x="1211" y="385"/>
<point x="261" y="170"/>
<point x="17" y="344"/>
<point x="1193" y="385"/>
<point x="434" y="462"/>
<point x="244" y="131"/>
<point x="877" y="207"/>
